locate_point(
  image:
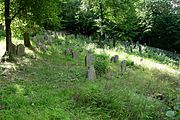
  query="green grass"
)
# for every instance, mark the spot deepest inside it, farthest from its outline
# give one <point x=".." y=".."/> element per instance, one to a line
<point x="50" y="85"/>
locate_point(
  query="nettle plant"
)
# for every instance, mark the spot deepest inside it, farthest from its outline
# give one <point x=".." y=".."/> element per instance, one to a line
<point x="101" y="64"/>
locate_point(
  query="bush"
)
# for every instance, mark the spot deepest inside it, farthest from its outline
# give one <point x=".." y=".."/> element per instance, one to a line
<point x="2" y="34"/>
<point x="101" y="64"/>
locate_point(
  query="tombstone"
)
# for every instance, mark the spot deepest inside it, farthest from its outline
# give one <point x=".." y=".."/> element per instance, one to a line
<point x="13" y="49"/>
<point x="20" y="50"/>
<point x="46" y="37"/>
<point x="89" y="60"/>
<point x="112" y="59"/>
<point x="131" y="49"/>
<point x="90" y="51"/>
<point x="74" y="55"/>
<point x="123" y="66"/>
<point x="116" y="58"/>
<point x="91" y="73"/>
<point x="140" y="49"/>
<point x="90" y="38"/>
<point x="126" y="45"/>
<point x="68" y="51"/>
<point x="49" y="42"/>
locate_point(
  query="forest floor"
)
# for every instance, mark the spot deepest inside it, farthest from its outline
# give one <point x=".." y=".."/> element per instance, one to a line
<point x="51" y="85"/>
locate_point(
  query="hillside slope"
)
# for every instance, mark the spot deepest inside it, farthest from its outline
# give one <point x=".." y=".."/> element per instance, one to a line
<point x="51" y="85"/>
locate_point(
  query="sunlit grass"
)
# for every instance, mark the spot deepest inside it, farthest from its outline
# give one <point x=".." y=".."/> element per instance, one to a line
<point x="143" y="62"/>
<point x="50" y="85"/>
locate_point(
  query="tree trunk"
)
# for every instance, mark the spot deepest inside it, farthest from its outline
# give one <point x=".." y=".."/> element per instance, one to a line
<point x="27" y="42"/>
<point x="9" y="45"/>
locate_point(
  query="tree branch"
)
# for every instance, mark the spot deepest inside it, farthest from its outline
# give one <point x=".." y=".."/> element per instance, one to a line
<point x="17" y="12"/>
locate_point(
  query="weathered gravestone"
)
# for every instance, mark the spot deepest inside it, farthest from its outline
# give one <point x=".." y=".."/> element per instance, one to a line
<point x="20" y="50"/>
<point x="89" y="60"/>
<point x="68" y="51"/>
<point x="74" y="55"/>
<point x="123" y="66"/>
<point x="13" y="49"/>
<point x="49" y="42"/>
<point x="140" y="49"/>
<point x="91" y="73"/>
<point x="126" y="45"/>
<point x="116" y="58"/>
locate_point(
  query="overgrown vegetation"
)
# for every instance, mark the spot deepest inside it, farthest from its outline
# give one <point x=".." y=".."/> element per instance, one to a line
<point x="54" y="86"/>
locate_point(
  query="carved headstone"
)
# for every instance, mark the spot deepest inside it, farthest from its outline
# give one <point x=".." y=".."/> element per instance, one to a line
<point x="116" y="58"/>
<point x="74" y="55"/>
<point x="123" y="66"/>
<point x="89" y="60"/>
<point x="140" y="49"/>
<point x="91" y="73"/>
<point x="20" y="50"/>
<point x="68" y="51"/>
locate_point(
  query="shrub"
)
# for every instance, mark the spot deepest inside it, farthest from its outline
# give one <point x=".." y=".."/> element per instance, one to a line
<point x="101" y="64"/>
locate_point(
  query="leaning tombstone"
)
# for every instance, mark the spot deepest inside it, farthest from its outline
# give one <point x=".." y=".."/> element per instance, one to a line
<point x="123" y="66"/>
<point x="140" y="49"/>
<point x="68" y="51"/>
<point x="89" y="60"/>
<point x="20" y="50"/>
<point x="91" y="74"/>
<point x="116" y="58"/>
<point x="74" y="55"/>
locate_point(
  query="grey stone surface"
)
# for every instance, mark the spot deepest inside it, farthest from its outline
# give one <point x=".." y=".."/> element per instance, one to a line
<point x="91" y="73"/>
<point x="126" y="45"/>
<point x="89" y="60"/>
<point x="20" y="50"/>
<point x="74" y="55"/>
<point x="123" y="66"/>
<point x="140" y="49"/>
<point x="116" y="58"/>
<point x="46" y="37"/>
<point x="68" y="51"/>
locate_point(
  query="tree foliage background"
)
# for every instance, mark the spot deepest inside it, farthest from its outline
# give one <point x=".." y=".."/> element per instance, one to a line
<point x="154" y="22"/>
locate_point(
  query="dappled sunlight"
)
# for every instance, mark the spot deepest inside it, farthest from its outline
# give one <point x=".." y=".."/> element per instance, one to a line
<point x="2" y="48"/>
<point x="143" y="62"/>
